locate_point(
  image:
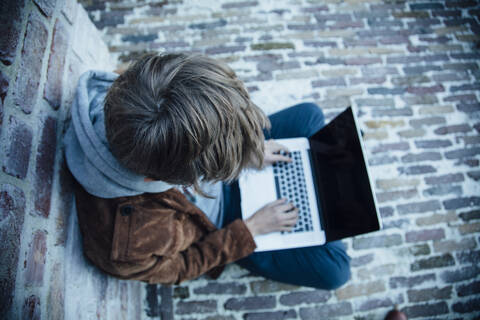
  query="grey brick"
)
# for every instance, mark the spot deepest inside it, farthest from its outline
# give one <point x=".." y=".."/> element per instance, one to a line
<point x="475" y="175"/>
<point x="426" y="6"/>
<point x="420" y="99"/>
<point x="397" y="112"/>
<point x="208" y="25"/>
<point x="375" y="304"/>
<point x="413" y="170"/>
<point x="409" y="80"/>
<point x="420" y="250"/>
<point x="458" y="203"/>
<point x="467" y="306"/>
<point x="460" y="274"/>
<point x="458" y="76"/>
<point x="446" y="13"/>
<point x="470" y="215"/>
<point x="326" y="311"/>
<point x="458" y="128"/>
<point x="294" y="298"/>
<point x="469" y="257"/>
<point x="426" y="310"/>
<point x="384" y="159"/>
<point x="424" y="156"/>
<point x="221" y="288"/>
<point x="362" y="260"/>
<point x="427" y="121"/>
<point x="421" y="69"/>
<point x="443" y="190"/>
<point x="419" y="207"/>
<point x="461" y="66"/>
<point x="386" y="211"/>
<point x="452" y="245"/>
<point x="462" y="97"/>
<point x="446" y="178"/>
<point x="429" y="294"/>
<point x="194" y="307"/>
<point x="250" y="303"/>
<point x="468" y="289"/>
<point x="433" y="143"/>
<point x="386" y="91"/>
<point x="410" y="282"/>
<point x="395" y="195"/>
<point x="445" y="260"/>
<point x="239" y="4"/>
<point x="329" y="82"/>
<point x="425" y="235"/>
<point x="468" y="107"/>
<point x="396" y="146"/>
<point x="382" y="241"/>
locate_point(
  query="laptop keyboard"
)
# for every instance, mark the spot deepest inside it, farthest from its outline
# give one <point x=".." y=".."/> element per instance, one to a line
<point x="290" y="184"/>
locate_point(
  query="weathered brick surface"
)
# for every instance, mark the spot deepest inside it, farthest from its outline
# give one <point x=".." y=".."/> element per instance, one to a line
<point x="12" y="211"/>
<point x="31" y="308"/>
<point x="35" y="265"/>
<point x="56" y="64"/>
<point x="44" y="166"/>
<point x="11" y="16"/>
<point x="17" y="154"/>
<point x="28" y="77"/>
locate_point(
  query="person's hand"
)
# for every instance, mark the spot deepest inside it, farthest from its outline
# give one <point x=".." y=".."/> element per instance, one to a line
<point x="272" y="153"/>
<point x="274" y="216"/>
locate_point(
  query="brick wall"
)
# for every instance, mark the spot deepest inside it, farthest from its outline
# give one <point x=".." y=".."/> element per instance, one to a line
<point x="44" y="47"/>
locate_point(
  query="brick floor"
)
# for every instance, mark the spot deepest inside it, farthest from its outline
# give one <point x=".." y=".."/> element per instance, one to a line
<point x="411" y="68"/>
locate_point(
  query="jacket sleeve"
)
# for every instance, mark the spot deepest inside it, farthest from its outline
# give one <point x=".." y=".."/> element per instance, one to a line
<point x="215" y="249"/>
<point x="169" y="246"/>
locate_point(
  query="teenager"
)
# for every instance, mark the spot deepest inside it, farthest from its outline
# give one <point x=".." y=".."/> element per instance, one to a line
<point x="155" y="152"/>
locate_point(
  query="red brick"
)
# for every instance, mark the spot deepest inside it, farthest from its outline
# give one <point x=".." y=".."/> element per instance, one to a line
<point x="56" y="63"/>
<point x="11" y="16"/>
<point x="425" y="235"/>
<point x="12" y="212"/>
<point x="36" y="259"/>
<point x="28" y="76"/>
<point x="31" y="308"/>
<point x="17" y="156"/>
<point x="46" y="6"/>
<point x="249" y="303"/>
<point x="44" y="167"/>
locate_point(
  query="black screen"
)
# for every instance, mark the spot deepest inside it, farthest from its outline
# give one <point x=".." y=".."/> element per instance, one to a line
<point x="343" y="188"/>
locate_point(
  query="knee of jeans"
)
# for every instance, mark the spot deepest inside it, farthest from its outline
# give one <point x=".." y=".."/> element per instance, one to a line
<point x="338" y="278"/>
<point x="316" y="116"/>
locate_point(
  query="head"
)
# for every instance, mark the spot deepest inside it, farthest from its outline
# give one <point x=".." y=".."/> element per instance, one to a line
<point x="182" y="119"/>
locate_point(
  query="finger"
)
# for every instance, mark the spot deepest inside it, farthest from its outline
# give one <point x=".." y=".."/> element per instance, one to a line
<point x="277" y="202"/>
<point x="280" y="157"/>
<point x="285" y="207"/>
<point x="279" y="147"/>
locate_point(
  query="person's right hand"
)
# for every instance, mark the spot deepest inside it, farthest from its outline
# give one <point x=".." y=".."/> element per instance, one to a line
<point x="274" y="216"/>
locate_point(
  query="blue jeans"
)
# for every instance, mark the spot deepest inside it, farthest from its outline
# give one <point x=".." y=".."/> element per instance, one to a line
<point x="323" y="267"/>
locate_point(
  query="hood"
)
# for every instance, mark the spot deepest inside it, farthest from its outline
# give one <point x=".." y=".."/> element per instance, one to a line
<point x="87" y="152"/>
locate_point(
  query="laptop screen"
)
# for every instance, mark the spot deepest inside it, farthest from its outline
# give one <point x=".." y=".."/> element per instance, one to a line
<point x="343" y="187"/>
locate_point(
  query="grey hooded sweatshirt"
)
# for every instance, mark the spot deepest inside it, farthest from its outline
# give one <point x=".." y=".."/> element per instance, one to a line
<point x="93" y="165"/>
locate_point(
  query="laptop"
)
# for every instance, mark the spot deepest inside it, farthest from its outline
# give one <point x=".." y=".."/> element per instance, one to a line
<point x="328" y="181"/>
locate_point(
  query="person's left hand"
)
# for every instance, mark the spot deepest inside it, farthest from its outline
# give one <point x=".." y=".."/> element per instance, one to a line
<point x="272" y="153"/>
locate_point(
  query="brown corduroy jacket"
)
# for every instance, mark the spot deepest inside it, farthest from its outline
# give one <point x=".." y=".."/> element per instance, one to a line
<point x="158" y="238"/>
